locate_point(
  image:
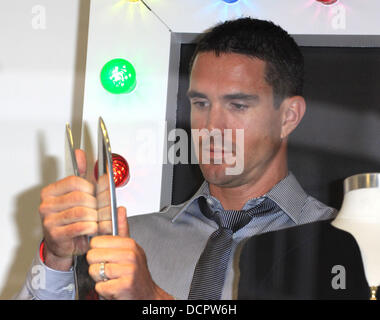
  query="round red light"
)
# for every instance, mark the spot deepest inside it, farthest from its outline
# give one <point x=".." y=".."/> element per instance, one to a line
<point x="120" y="170"/>
<point x="327" y="1"/>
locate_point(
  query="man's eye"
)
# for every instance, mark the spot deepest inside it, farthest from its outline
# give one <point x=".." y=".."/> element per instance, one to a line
<point x="200" y="104"/>
<point x="239" y="106"/>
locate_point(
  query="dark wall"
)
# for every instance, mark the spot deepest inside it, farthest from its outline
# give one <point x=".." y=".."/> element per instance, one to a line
<point x="339" y="135"/>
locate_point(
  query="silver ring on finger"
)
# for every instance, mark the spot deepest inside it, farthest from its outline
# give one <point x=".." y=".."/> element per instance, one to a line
<point x="102" y="272"/>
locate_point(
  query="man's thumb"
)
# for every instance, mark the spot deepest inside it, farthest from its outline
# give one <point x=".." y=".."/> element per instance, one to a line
<point x="80" y="155"/>
<point x="122" y="222"/>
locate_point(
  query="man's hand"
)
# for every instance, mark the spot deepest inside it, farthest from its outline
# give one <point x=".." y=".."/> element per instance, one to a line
<point x="68" y="213"/>
<point x="125" y="266"/>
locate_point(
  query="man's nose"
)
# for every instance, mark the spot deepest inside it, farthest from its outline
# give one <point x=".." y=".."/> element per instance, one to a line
<point x="215" y="118"/>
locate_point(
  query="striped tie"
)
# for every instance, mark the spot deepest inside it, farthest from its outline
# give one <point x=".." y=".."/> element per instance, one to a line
<point x="210" y="271"/>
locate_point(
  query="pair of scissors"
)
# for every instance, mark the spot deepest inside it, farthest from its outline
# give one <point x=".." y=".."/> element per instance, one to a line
<point x="84" y="284"/>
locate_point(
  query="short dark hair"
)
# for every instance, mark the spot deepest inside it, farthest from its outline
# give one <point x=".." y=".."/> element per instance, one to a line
<point x="263" y="40"/>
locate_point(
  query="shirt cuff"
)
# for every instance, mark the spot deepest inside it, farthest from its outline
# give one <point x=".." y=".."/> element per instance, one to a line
<point x="45" y="283"/>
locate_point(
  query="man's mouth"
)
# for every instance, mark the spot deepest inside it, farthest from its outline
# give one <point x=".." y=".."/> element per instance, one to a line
<point x="217" y="153"/>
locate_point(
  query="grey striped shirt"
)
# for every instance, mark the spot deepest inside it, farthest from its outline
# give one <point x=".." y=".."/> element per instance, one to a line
<point x="296" y="207"/>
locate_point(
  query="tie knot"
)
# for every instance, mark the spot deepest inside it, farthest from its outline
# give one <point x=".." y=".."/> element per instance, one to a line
<point x="232" y="219"/>
<point x="237" y="219"/>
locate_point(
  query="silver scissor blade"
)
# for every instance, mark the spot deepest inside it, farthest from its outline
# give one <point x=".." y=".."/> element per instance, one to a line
<point x="105" y="185"/>
<point x="71" y="162"/>
<point x="84" y="284"/>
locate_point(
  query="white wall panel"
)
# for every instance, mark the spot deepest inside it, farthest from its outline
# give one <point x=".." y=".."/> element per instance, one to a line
<point x="135" y="121"/>
<point x="38" y="92"/>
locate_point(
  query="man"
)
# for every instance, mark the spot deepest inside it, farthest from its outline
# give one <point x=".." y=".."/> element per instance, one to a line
<point x="246" y="75"/>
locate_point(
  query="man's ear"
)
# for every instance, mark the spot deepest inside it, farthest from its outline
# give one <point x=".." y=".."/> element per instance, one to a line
<point x="293" y="111"/>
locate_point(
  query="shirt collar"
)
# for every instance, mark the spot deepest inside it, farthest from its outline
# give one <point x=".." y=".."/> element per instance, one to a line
<point x="288" y="195"/>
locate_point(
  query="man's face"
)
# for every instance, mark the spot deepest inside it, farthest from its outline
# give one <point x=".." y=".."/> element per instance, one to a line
<point x="230" y="92"/>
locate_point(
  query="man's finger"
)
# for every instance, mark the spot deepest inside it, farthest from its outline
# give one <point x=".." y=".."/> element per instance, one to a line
<point x="111" y="255"/>
<point x="111" y="270"/>
<point x="69" y="216"/>
<point x="86" y="228"/>
<point x="67" y="185"/>
<point x="116" y="242"/>
<point x="67" y="201"/>
<point x="105" y="227"/>
<point x="102" y="184"/>
<point x="108" y="289"/>
<point x="103" y="199"/>
<point x="105" y="223"/>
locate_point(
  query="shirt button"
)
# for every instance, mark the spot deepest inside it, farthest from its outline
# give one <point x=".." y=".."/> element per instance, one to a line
<point x="210" y="202"/>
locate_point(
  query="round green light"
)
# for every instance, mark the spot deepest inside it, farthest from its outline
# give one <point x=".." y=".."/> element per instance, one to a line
<point x="118" y="76"/>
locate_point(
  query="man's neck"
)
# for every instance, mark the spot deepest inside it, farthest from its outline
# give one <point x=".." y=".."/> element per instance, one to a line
<point x="234" y="198"/>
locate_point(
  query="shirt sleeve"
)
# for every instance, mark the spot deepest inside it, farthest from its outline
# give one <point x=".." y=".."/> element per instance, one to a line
<point x="44" y="283"/>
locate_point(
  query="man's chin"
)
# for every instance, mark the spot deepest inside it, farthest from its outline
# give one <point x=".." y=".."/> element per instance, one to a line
<point x="216" y="174"/>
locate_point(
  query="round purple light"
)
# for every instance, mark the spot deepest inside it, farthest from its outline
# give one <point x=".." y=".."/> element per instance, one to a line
<point x="230" y="1"/>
